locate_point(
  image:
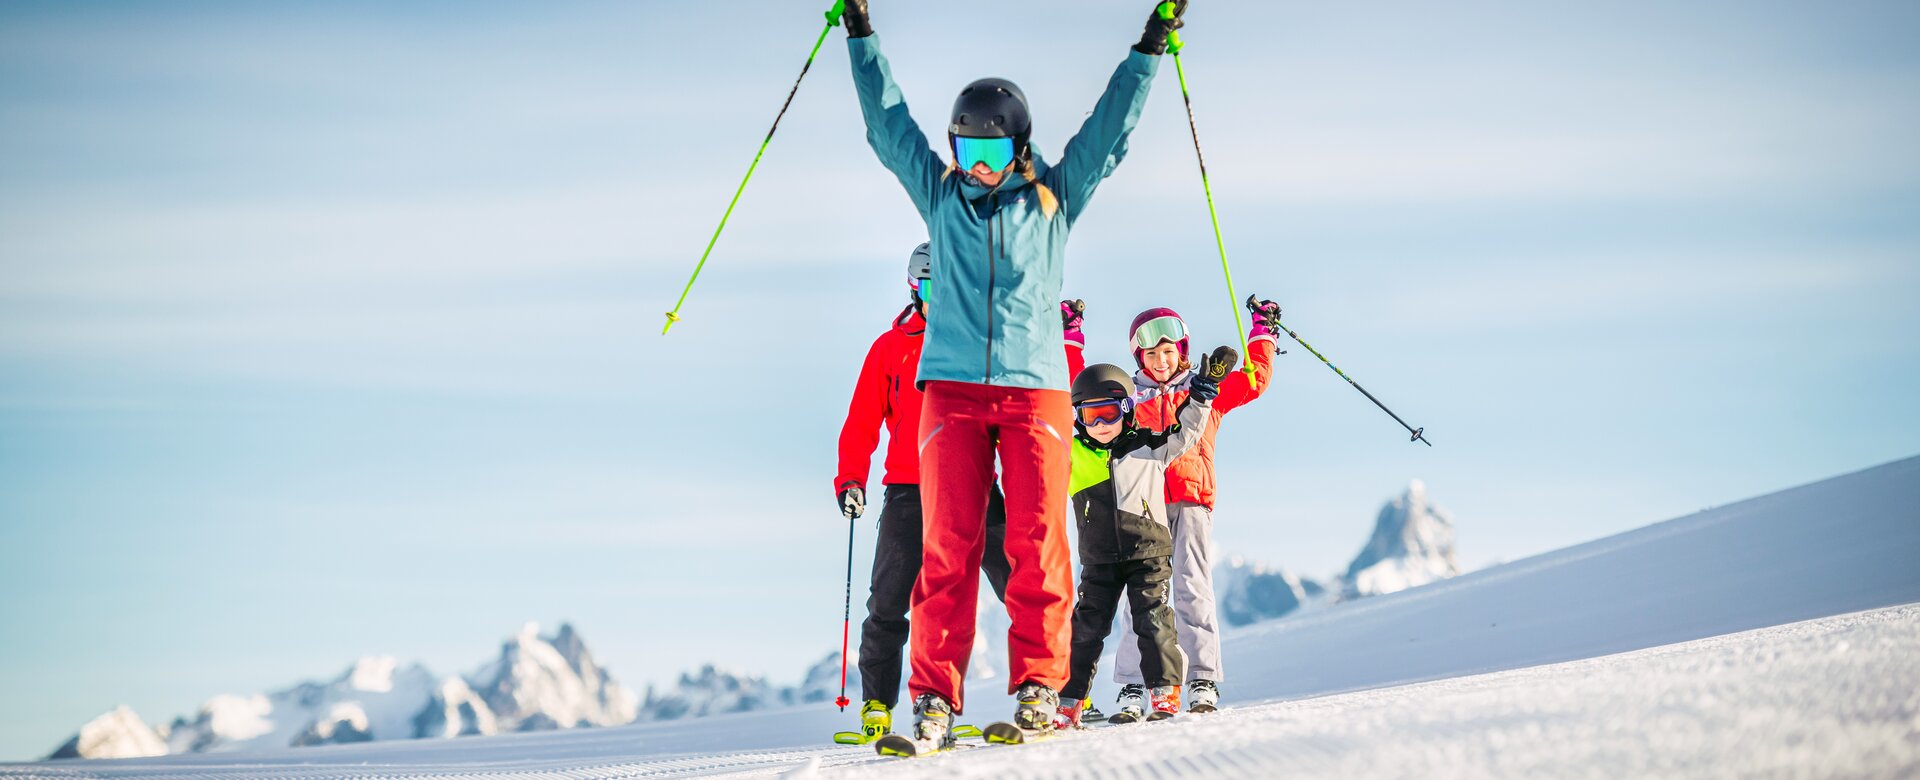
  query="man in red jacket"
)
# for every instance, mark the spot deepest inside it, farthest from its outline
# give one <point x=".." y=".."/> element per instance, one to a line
<point x="887" y="393"/>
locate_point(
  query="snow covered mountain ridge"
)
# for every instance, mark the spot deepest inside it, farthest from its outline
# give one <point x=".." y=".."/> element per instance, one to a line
<point x="536" y="683"/>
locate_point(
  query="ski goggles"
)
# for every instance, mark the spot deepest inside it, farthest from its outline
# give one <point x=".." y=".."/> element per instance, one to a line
<point x="1158" y="329"/>
<point x="923" y="288"/>
<point x="1102" y="412"/>
<point x="997" y="153"/>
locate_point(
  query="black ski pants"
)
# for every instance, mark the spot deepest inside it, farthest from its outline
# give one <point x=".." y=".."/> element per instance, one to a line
<point x="1144" y="584"/>
<point x="896" y="564"/>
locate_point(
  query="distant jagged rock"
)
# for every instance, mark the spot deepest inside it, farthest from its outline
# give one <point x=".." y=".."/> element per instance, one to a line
<point x="1250" y="592"/>
<point x="455" y="711"/>
<point x="1412" y="545"/>
<point x="554" y="678"/>
<point x="119" y="733"/>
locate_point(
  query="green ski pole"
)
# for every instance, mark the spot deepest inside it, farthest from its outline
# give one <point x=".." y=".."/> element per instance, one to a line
<point x="833" y="20"/>
<point x="1174" y="45"/>
<point x="1419" y="434"/>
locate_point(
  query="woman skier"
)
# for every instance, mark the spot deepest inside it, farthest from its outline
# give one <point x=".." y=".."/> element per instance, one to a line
<point x="887" y="394"/>
<point x="995" y="383"/>
<point x="1159" y="342"/>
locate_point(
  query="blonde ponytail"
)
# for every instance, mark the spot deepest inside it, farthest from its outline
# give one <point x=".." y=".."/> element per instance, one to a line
<point x="1048" y="203"/>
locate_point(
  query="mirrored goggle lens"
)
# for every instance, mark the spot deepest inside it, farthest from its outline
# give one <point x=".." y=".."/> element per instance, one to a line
<point x="1101" y="412"/>
<point x="925" y="287"/>
<point x="997" y="153"/>
<point x="1159" y="329"/>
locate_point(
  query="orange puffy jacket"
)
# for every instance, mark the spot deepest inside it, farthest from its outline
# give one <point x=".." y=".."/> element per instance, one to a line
<point x="1190" y="478"/>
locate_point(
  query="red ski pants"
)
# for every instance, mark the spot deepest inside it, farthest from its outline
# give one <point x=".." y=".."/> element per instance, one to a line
<point x="962" y="427"/>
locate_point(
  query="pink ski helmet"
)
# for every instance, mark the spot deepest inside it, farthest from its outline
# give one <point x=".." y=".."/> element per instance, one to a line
<point x="1154" y="326"/>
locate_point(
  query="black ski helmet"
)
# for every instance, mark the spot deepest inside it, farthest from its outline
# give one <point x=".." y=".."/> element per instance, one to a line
<point x="992" y="108"/>
<point x="1102" y="382"/>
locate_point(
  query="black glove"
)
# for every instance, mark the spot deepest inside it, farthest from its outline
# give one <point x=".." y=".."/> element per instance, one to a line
<point x="1205" y="384"/>
<point x="1266" y="316"/>
<point x="853" y="501"/>
<point x="859" y="25"/>
<point x="1154" y="39"/>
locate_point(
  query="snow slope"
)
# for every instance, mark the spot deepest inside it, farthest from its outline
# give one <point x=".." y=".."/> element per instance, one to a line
<point x="1540" y="666"/>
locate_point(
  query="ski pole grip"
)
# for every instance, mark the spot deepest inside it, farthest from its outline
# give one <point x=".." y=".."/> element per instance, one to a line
<point x="834" y="13"/>
<point x="1166" y="11"/>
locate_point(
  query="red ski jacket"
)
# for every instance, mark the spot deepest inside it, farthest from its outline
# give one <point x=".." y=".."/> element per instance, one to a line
<point x="886" y="393"/>
<point x="1190" y="478"/>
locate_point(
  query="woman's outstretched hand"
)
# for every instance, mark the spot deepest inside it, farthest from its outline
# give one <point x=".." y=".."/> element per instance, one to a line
<point x="1152" y="41"/>
<point x="859" y="25"/>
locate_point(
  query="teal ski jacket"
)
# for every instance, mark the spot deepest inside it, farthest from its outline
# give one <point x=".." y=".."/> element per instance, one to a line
<point x="998" y="258"/>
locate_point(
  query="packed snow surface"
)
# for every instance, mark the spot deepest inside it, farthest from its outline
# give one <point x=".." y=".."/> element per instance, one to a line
<point x="1778" y="636"/>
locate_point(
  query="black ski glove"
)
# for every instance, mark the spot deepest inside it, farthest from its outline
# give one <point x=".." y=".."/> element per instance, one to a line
<point x="853" y="501"/>
<point x="1154" y="39"/>
<point x="859" y="25"/>
<point x="1205" y="384"/>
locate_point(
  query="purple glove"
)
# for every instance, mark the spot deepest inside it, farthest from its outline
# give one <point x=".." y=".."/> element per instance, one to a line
<point x="1266" y="318"/>
<point x="1072" y="314"/>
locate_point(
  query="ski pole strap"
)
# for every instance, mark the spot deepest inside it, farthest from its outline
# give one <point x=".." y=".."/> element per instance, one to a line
<point x="833" y="20"/>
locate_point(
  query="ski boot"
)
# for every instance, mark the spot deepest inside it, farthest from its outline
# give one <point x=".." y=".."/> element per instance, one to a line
<point x="1133" y="704"/>
<point x="1166" y="702"/>
<point x="1090" y="713"/>
<point x="876" y="721"/>
<point x="1032" y="720"/>
<point x="1038" y="703"/>
<point x="1067" y="717"/>
<point x="1203" y="696"/>
<point x="932" y="730"/>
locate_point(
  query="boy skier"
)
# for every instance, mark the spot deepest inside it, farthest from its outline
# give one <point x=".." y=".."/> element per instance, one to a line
<point x="887" y="393"/>
<point x="1119" y="479"/>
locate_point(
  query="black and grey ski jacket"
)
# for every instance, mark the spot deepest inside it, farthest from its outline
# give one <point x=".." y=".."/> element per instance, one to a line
<point x="1120" y="489"/>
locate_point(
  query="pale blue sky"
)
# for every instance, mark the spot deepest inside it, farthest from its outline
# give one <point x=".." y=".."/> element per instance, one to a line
<point x="333" y="329"/>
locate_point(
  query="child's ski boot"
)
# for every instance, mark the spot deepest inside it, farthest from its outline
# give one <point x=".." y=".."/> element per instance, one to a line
<point x="932" y="731"/>
<point x="1090" y="713"/>
<point x="876" y="721"/>
<point x="1203" y="696"/>
<point x="1166" y="702"/>
<point x="1067" y="717"/>
<point x="1133" y="704"/>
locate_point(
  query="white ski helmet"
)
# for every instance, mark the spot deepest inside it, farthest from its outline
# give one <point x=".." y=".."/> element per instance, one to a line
<point x="919" y="266"/>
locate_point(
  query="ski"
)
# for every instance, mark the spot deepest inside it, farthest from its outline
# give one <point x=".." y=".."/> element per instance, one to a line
<point x="901" y="746"/>
<point x="1004" y="733"/>
<point x="962" y="731"/>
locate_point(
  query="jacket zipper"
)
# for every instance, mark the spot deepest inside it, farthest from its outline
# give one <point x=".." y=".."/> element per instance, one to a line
<point x="993" y="267"/>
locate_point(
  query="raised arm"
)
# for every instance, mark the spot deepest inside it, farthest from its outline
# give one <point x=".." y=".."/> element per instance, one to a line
<point x="891" y="131"/>
<point x="1193" y="418"/>
<point x="1101" y="144"/>
<point x="1239" y="389"/>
